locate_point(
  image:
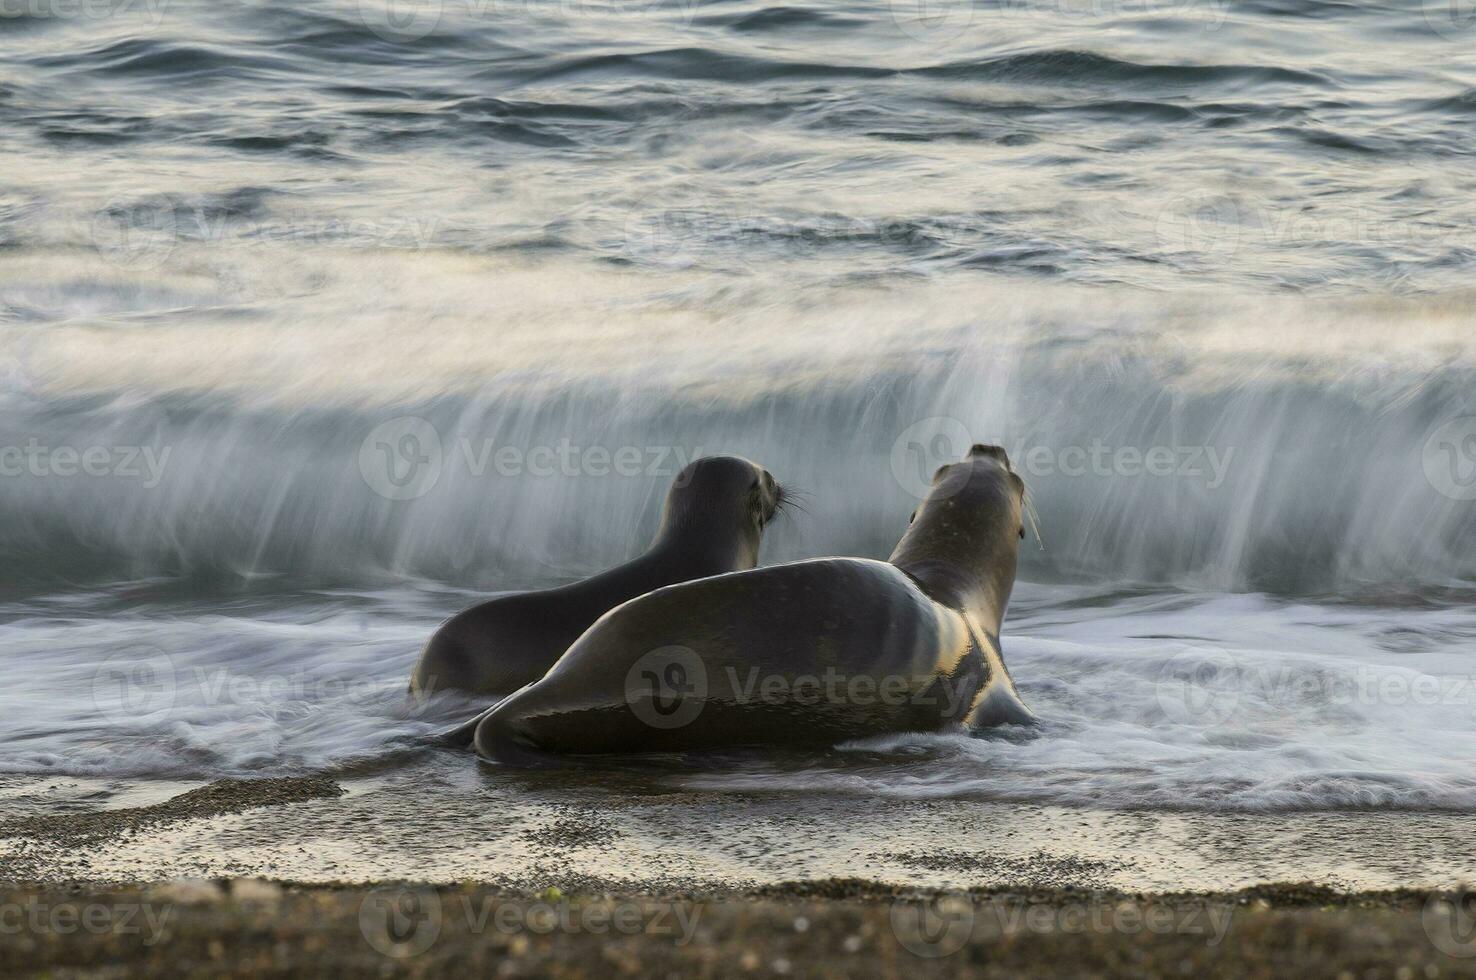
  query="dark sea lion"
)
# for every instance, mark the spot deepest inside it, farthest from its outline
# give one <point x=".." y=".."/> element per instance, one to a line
<point x="712" y="523"/>
<point x="804" y="654"/>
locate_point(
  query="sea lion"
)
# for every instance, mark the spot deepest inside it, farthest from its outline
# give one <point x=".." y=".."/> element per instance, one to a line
<point x="712" y="522"/>
<point x="809" y="653"/>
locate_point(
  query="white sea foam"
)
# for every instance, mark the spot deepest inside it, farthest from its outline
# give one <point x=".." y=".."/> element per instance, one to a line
<point x="1237" y="702"/>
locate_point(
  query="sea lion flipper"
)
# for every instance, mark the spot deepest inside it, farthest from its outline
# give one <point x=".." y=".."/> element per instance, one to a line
<point x="461" y="736"/>
<point x="999" y="705"/>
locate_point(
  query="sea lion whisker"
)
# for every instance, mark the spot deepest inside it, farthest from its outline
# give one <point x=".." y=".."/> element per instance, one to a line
<point x="1031" y="515"/>
<point x="788" y="498"/>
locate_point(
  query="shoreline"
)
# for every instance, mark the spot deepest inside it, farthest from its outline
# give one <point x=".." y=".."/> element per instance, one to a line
<point x="437" y="819"/>
<point x="437" y="867"/>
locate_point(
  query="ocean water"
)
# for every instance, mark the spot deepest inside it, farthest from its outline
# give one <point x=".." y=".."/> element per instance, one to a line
<point x="319" y="321"/>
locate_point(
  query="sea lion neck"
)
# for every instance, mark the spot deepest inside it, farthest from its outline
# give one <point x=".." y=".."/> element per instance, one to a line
<point x="949" y="584"/>
<point x="706" y="539"/>
<point x="962" y="543"/>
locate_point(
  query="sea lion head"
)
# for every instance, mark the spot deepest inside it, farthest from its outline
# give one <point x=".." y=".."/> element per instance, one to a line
<point x="720" y="501"/>
<point x="965" y="537"/>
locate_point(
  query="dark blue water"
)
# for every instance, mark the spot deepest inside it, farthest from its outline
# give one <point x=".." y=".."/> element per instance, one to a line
<point x="1173" y="144"/>
<point x="279" y="282"/>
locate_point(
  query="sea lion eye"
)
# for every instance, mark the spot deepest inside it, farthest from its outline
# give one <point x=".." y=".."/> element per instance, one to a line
<point x="912" y="517"/>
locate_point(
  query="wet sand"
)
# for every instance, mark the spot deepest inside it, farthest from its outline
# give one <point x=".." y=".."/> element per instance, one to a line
<point x="438" y="866"/>
<point x="441" y="819"/>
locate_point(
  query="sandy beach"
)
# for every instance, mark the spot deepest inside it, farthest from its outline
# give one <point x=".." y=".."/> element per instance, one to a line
<point x="1102" y="365"/>
<point x="443" y="818"/>
<point x="445" y="866"/>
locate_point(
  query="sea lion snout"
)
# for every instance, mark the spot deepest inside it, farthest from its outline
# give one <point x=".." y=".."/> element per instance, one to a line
<point x="980" y="450"/>
<point x="994" y="452"/>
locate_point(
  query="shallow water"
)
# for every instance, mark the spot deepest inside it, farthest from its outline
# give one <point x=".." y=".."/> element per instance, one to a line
<point x="1150" y="699"/>
<point x="1202" y="267"/>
